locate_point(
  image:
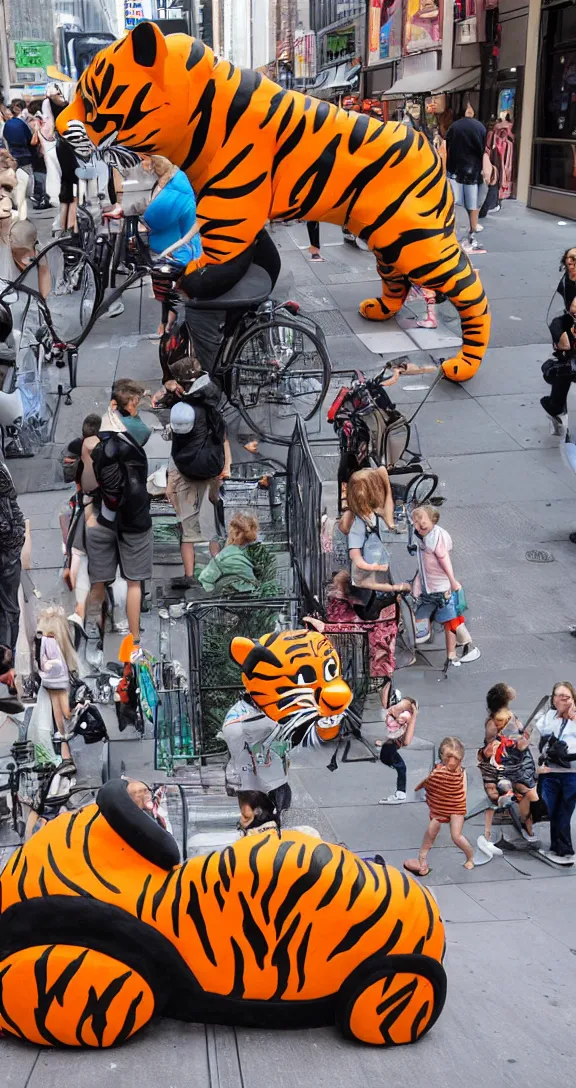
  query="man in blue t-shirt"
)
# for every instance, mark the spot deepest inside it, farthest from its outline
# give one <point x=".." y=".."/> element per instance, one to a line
<point x="18" y="136"/>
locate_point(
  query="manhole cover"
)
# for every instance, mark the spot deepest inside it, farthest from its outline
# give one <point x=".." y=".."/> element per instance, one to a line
<point x="539" y="556"/>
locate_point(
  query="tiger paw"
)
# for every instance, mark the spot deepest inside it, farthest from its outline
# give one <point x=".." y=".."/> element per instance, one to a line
<point x="460" y="369"/>
<point x="375" y="309"/>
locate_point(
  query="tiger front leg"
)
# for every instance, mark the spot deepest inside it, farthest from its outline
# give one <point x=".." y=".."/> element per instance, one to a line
<point x="395" y="288"/>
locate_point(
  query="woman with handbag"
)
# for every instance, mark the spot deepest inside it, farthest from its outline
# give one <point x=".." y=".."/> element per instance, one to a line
<point x="439" y="595"/>
<point x="559" y="371"/>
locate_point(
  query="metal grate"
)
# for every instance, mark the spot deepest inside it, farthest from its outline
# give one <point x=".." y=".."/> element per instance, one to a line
<point x="332" y="323"/>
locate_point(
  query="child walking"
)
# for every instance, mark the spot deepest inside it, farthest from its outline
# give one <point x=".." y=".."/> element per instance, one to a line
<point x="435" y="585"/>
<point x="400" y="725"/>
<point x="56" y="660"/>
<point x="446" y="799"/>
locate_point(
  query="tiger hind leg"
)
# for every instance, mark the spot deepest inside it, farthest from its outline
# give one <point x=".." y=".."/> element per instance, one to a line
<point x="391" y="1000"/>
<point x="395" y="287"/>
<point x="66" y="995"/>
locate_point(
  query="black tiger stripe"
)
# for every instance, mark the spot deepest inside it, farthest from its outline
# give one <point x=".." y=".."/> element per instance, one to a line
<point x="128" y="1025"/>
<point x="420" y="1016"/>
<point x="273" y="107"/>
<point x="203" y="879"/>
<point x="99" y="67"/>
<point x="136" y="114"/>
<point x="320" y="858"/>
<point x="378" y="132"/>
<point x="159" y="895"/>
<point x="238" y="984"/>
<point x="357" y="885"/>
<point x="223" y="872"/>
<point x="358" y="133"/>
<point x="281" y="958"/>
<point x="116" y="94"/>
<point x="392" y="252"/>
<point x="16" y="859"/>
<point x="176" y="903"/>
<point x="253" y="863"/>
<point x="375" y="874"/>
<point x="21" y="879"/>
<point x="429" y="911"/>
<point x="64" y="879"/>
<point x="218" y="895"/>
<point x="301" y="856"/>
<point x="320" y="170"/>
<point x="96" y="1008"/>
<point x="276" y="867"/>
<point x="235" y="193"/>
<point x="357" y="186"/>
<point x="42" y="884"/>
<point x="142" y="896"/>
<point x="252" y="932"/>
<point x="301" y="957"/>
<point x="194" y="912"/>
<point x="5" y="1017"/>
<point x="204" y="112"/>
<point x="321" y="115"/>
<point x="285" y="120"/>
<point x="405" y="884"/>
<point x="335" y="885"/>
<point x="215" y="224"/>
<point x="231" y="859"/>
<point x="249" y="83"/>
<point x="106" y="82"/>
<point x="418" y="946"/>
<point x="86" y="854"/>
<point x="396" y="1003"/>
<point x="55" y="992"/>
<point x="197" y="51"/>
<point x="307" y="103"/>
<point x="231" y="70"/>
<point x="356" y="932"/>
<point x="393" y="207"/>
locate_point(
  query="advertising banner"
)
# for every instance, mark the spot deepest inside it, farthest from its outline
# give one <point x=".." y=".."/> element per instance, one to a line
<point x="304" y="55"/>
<point x="385" y="30"/>
<point x="423" y="26"/>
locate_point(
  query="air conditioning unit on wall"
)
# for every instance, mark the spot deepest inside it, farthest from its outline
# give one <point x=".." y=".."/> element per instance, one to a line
<point x="466" y="31"/>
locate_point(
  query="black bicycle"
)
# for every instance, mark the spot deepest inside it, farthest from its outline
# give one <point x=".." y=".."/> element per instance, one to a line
<point x="272" y="364"/>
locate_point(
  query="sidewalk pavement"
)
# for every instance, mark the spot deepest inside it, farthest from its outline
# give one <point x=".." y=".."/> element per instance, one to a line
<point x="508" y="492"/>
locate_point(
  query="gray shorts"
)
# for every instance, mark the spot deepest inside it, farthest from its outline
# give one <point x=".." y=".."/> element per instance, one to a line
<point x="105" y="551"/>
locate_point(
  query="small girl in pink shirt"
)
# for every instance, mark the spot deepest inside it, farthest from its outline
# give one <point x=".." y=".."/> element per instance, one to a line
<point x="435" y="585"/>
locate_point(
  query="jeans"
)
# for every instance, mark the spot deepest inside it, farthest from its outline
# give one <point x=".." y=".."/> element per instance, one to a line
<point x="10" y="569"/>
<point x="558" y="396"/>
<point x="465" y="195"/>
<point x="559" y="794"/>
<point x="390" y="757"/>
<point x="39" y="193"/>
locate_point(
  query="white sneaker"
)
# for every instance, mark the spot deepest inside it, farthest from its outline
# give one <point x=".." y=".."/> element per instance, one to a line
<point x="479" y="227"/>
<point x="556" y="858"/>
<point x="397" y="798"/>
<point x="469" y="653"/>
<point x="115" y="309"/>
<point x="488" y="847"/>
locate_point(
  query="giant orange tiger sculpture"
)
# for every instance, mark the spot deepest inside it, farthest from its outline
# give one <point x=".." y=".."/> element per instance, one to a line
<point x="101" y="928"/>
<point x="254" y="152"/>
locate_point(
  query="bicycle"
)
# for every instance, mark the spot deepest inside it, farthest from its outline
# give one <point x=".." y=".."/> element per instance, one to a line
<point x="272" y="364"/>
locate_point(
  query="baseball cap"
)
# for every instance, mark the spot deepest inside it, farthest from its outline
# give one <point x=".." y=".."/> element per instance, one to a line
<point x="182" y="418"/>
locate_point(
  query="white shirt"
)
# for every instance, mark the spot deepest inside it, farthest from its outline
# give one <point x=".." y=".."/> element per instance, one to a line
<point x="246" y="730"/>
<point x="552" y="723"/>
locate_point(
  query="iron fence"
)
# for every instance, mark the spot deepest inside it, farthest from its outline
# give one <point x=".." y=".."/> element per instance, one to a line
<point x="304" y="512"/>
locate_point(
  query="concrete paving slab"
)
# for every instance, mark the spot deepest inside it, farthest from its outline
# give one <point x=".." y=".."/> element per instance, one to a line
<point x="18" y="1062"/>
<point x="554" y="519"/>
<point x="94" y="398"/>
<point x="515" y="476"/>
<point x="47" y="549"/>
<point x="516" y="321"/>
<point x="460" y="427"/>
<point x="463" y="905"/>
<point x="330" y="235"/>
<point x="361" y="784"/>
<point x="511" y="370"/>
<point x="167" y="1052"/>
<point x="522" y="417"/>
<point x="388" y="338"/>
<point x="379" y="828"/>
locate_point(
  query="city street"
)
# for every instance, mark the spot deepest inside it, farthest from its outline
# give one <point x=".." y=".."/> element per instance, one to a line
<point x="511" y="1008"/>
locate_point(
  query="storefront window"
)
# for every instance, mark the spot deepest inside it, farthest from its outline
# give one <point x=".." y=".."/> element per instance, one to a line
<point x="555" y="165"/>
<point x="557" y="114"/>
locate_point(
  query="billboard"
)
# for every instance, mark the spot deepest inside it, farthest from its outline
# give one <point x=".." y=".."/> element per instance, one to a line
<point x="422" y="29"/>
<point x="385" y="30"/>
<point x="304" y="55"/>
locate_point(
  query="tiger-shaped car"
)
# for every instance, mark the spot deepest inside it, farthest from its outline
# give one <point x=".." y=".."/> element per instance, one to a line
<point x="101" y="928"/>
<point x="254" y="151"/>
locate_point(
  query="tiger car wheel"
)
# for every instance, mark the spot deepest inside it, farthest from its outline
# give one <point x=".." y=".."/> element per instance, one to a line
<point x="391" y="1000"/>
<point x="66" y="995"/>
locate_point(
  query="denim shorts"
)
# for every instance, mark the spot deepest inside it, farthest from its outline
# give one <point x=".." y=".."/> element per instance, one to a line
<point x="436" y="605"/>
<point x="465" y="195"/>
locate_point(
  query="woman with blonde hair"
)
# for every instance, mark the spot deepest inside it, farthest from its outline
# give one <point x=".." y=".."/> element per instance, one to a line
<point x="169" y="216"/>
<point x="56" y="659"/>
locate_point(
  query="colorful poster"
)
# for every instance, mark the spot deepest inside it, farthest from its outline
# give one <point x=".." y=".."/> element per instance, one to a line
<point x="423" y="26"/>
<point x="33" y="54"/>
<point x="304" y="55"/>
<point x="385" y="30"/>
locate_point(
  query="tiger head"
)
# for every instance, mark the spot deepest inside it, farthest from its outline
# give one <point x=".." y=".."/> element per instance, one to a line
<point x="137" y="96"/>
<point x="296" y="679"/>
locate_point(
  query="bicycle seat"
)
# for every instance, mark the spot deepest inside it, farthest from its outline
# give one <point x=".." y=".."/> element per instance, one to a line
<point x="254" y="287"/>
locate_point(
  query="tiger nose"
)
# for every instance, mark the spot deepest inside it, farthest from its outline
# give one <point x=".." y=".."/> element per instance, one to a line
<point x="335" y="698"/>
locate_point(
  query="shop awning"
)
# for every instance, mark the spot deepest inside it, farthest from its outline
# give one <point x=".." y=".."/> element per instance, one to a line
<point x="442" y="81"/>
<point x="341" y="77"/>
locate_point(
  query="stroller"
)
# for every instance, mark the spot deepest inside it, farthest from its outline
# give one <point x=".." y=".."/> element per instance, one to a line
<point x="372" y="432"/>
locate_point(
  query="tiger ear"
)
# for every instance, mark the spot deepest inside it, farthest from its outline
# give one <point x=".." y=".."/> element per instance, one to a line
<point x="240" y="648"/>
<point x="149" y="47"/>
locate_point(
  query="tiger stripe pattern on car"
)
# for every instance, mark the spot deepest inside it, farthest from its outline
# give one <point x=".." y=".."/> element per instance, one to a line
<point x="256" y="152"/>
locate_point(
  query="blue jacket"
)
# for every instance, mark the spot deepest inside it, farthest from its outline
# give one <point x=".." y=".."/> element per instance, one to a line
<point x="170" y="215"/>
<point x="19" y="139"/>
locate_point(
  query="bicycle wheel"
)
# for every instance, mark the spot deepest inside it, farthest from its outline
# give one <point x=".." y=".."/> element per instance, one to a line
<point x="421" y="489"/>
<point x="279" y="370"/>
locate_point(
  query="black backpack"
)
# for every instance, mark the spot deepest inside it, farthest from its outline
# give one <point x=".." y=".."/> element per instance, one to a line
<point x="200" y="455"/>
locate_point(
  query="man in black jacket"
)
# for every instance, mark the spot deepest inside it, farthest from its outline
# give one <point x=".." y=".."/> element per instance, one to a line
<point x="118" y="524"/>
<point x="12" y="533"/>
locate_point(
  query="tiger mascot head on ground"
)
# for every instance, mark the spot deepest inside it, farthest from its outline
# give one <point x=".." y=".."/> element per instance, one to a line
<point x="295" y="677"/>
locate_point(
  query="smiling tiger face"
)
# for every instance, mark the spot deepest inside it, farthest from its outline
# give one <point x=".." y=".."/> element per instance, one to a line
<point x="295" y="677"/>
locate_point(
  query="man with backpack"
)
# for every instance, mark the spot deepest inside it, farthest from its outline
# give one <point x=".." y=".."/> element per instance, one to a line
<point x="118" y="522"/>
<point x="200" y="458"/>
